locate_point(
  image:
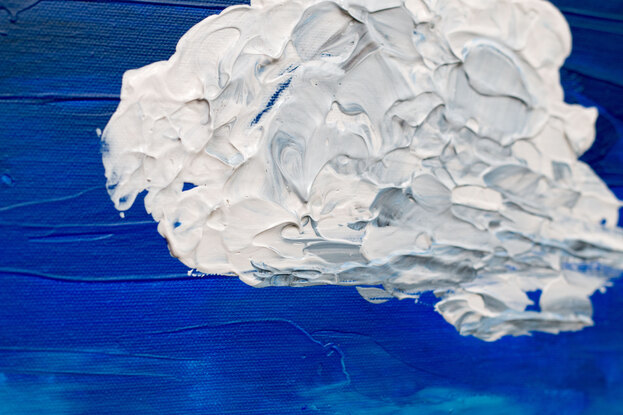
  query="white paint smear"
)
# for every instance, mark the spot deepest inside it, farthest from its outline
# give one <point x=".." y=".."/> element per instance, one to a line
<point x="415" y="146"/>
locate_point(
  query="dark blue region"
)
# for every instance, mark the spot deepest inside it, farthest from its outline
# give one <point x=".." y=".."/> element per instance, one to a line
<point x="271" y="102"/>
<point x="535" y="297"/>
<point x="97" y="317"/>
<point x="188" y="186"/>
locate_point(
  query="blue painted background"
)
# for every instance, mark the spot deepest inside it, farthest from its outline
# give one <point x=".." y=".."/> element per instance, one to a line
<point x="96" y="317"/>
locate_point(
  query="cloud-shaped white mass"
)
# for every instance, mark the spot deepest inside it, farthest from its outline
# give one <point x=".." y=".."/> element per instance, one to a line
<point x="415" y="145"/>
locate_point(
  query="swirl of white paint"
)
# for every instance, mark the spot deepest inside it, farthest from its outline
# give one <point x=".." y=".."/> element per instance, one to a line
<point x="417" y="145"/>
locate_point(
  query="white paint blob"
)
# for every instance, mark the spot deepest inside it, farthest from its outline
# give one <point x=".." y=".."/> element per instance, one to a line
<point x="418" y="145"/>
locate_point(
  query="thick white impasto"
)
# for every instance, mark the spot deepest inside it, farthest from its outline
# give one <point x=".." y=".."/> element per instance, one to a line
<point x="396" y="146"/>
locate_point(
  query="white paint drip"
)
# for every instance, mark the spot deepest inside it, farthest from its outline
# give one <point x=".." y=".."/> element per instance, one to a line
<point x="417" y="145"/>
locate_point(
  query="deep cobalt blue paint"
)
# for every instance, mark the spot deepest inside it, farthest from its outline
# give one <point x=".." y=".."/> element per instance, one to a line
<point x="97" y="317"/>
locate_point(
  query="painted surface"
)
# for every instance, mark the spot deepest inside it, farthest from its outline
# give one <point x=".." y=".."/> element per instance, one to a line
<point x="413" y="148"/>
<point x="90" y="321"/>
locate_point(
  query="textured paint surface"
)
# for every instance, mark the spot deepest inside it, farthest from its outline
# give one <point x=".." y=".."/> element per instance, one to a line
<point x="91" y="322"/>
<point x="417" y="147"/>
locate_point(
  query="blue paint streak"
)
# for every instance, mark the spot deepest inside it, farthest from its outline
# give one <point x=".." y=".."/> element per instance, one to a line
<point x="97" y="317"/>
<point x="271" y="102"/>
